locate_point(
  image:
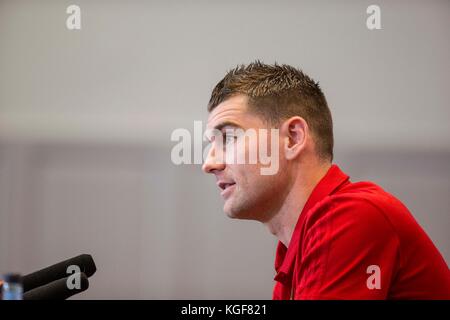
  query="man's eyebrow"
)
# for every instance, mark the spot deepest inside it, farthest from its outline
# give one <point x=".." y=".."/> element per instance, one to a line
<point x="221" y="125"/>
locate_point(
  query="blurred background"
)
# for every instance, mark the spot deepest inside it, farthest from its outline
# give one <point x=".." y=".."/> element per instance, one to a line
<point x="86" y="117"/>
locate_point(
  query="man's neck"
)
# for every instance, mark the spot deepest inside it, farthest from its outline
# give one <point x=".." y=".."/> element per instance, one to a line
<point x="283" y="223"/>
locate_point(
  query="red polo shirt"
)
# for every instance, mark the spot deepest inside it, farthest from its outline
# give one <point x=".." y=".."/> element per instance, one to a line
<point x="356" y="241"/>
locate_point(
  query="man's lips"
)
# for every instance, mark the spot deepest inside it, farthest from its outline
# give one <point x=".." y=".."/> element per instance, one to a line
<point x="226" y="186"/>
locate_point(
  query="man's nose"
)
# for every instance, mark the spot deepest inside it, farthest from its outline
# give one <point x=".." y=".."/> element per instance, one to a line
<point x="213" y="163"/>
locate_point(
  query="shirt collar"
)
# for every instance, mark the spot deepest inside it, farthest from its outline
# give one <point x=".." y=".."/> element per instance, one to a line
<point x="285" y="257"/>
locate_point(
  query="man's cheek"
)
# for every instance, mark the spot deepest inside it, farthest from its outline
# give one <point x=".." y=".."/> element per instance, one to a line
<point x="269" y="148"/>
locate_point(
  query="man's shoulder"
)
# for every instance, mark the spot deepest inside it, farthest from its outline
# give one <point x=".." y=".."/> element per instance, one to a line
<point x="356" y="220"/>
<point x="362" y="203"/>
<point x="366" y="195"/>
<point x="363" y="191"/>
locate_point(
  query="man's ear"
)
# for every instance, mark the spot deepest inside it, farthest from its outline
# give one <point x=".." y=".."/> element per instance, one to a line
<point x="295" y="133"/>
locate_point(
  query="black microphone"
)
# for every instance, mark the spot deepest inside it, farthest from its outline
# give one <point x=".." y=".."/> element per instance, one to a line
<point x="58" y="271"/>
<point x="57" y="290"/>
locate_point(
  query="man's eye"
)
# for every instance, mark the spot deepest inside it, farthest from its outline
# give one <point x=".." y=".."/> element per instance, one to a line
<point x="229" y="138"/>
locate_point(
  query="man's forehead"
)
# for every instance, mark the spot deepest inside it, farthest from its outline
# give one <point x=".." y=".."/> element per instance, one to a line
<point x="232" y="110"/>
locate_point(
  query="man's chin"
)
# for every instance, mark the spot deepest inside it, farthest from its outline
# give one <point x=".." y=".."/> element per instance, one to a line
<point x="235" y="213"/>
<point x="237" y="216"/>
<point x="231" y="212"/>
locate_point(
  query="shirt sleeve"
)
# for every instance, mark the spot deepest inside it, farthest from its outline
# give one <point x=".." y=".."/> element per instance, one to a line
<point x="349" y="251"/>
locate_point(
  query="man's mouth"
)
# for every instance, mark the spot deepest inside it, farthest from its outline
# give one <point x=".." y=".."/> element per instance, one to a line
<point x="227" y="187"/>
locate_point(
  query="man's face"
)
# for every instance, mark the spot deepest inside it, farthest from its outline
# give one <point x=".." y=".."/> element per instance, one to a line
<point x="247" y="193"/>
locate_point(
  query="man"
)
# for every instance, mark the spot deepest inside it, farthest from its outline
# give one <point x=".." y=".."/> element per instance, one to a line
<point x="337" y="239"/>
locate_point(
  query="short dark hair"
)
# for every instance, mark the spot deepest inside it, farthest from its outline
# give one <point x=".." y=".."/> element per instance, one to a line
<point x="278" y="92"/>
